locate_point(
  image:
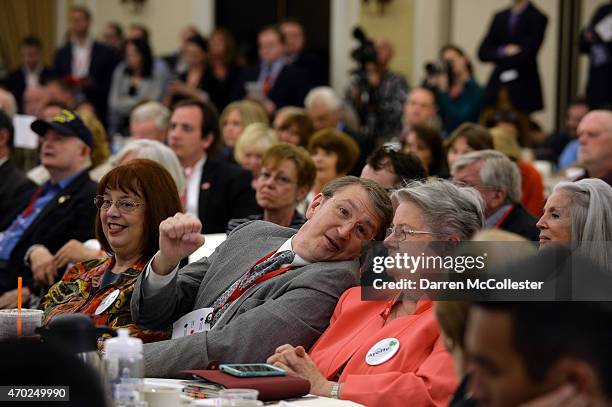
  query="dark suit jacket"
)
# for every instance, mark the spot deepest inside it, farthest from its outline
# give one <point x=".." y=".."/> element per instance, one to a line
<point x="225" y="193"/>
<point x="293" y="307"/>
<point x="525" y="91"/>
<point x="289" y="88"/>
<point x="522" y="223"/>
<point x="101" y="69"/>
<point x="16" y="83"/>
<point x="70" y="215"/>
<point x="15" y="192"/>
<point x="599" y="84"/>
<point x="310" y="63"/>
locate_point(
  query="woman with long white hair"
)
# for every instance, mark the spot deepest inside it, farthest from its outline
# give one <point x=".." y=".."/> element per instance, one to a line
<point x="580" y="213"/>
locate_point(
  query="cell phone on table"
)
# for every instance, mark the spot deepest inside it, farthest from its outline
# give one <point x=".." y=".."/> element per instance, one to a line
<point x="252" y="370"/>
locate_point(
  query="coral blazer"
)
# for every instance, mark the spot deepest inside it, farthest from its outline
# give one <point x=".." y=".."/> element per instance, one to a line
<point x="421" y="373"/>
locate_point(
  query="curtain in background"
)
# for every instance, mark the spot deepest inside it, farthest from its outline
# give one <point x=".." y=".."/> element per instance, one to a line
<point x="19" y="18"/>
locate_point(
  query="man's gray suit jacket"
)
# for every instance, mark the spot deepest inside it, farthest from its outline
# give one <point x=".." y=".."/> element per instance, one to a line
<point x="294" y="307"/>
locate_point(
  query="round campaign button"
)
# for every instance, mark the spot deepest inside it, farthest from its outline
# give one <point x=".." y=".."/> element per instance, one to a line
<point x="382" y="351"/>
<point x="107" y="302"/>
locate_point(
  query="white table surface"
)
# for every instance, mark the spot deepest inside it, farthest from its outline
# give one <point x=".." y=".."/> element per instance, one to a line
<point x="308" y="401"/>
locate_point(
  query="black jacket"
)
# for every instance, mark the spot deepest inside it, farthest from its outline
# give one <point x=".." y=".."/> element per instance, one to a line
<point x="16" y="84"/>
<point x="599" y="85"/>
<point x="101" y="69"/>
<point x="225" y="193"/>
<point x="525" y="91"/>
<point x="522" y="223"/>
<point x="70" y="215"/>
<point x="15" y="192"/>
<point x="289" y="88"/>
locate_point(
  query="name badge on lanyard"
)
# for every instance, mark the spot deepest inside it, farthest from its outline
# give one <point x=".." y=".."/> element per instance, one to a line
<point x="107" y="302"/>
<point x="192" y="323"/>
<point x="382" y="351"/>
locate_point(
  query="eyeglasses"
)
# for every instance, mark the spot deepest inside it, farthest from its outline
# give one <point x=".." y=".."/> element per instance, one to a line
<point x="279" y="178"/>
<point x="122" y="205"/>
<point x="400" y="232"/>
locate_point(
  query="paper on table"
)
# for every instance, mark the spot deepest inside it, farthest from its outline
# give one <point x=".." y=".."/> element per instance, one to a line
<point x="211" y="241"/>
<point x="307" y="401"/>
<point x="192" y="323"/>
<point x="24" y="136"/>
<point x="604" y="28"/>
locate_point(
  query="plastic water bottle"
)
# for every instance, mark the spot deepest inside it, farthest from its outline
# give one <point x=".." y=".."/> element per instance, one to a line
<point x="124" y="369"/>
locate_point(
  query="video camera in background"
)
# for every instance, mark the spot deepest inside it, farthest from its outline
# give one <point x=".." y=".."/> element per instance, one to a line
<point x="365" y="55"/>
<point x="365" y="52"/>
<point x="436" y="68"/>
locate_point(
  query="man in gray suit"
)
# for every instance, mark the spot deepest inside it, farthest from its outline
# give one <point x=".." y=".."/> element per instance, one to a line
<point x="257" y="306"/>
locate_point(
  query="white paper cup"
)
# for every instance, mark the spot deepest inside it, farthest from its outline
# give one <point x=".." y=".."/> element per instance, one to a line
<point x="30" y="320"/>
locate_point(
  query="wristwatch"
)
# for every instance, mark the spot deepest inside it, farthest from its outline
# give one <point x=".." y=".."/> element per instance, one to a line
<point x="335" y="391"/>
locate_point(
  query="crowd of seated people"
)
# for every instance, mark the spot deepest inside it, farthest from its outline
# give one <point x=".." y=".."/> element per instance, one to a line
<point x="141" y="156"/>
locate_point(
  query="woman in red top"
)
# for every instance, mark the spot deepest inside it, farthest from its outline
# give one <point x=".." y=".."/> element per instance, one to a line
<point x="132" y="200"/>
<point x="391" y="353"/>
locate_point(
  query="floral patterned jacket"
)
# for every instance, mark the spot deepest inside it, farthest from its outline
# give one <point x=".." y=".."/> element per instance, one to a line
<point x="79" y="291"/>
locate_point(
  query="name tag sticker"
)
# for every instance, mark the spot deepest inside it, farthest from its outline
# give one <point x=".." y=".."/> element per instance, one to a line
<point x="107" y="302"/>
<point x="508" y="76"/>
<point x="192" y="323"/>
<point x="382" y="351"/>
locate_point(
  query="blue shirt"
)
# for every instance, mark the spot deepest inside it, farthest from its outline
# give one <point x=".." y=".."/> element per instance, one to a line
<point x="270" y="70"/>
<point x="569" y="155"/>
<point x="492" y="220"/>
<point x="12" y="235"/>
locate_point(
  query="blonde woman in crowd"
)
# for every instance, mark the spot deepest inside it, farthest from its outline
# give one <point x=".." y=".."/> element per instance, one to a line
<point x="251" y="146"/>
<point x="234" y="119"/>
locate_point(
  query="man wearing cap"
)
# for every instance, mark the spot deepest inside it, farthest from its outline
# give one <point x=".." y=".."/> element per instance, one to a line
<point x="59" y="210"/>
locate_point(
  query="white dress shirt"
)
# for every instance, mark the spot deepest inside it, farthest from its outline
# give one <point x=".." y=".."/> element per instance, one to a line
<point x="32" y="77"/>
<point x="81" y="58"/>
<point x="193" y="175"/>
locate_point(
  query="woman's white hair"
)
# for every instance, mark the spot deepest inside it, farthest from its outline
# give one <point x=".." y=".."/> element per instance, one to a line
<point x="158" y="152"/>
<point x="448" y="209"/>
<point x="257" y="138"/>
<point x="152" y="110"/>
<point x="590" y="216"/>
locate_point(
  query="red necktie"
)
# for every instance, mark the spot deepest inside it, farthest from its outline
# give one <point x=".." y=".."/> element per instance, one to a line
<point x="28" y="210"/>
<point x="267" y="85"/>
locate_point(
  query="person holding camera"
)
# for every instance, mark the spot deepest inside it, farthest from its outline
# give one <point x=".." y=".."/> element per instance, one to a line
<point x="460" y="98"/>
<point x="377" y="94"/>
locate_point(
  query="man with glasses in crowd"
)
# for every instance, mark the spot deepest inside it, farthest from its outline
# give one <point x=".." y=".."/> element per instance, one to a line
<point x="264" y="286"/>
<point x="58" y="211"/>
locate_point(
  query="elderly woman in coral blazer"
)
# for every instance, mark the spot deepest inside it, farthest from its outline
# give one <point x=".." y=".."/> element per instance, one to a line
<point x="391" y="353"/>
